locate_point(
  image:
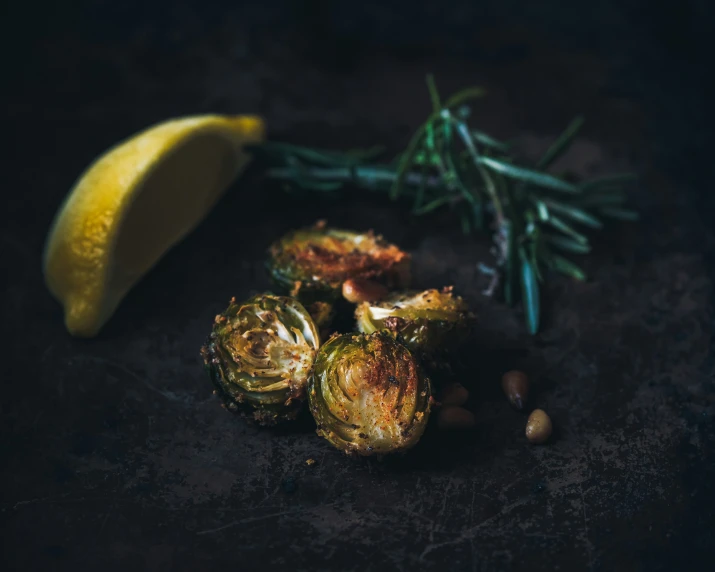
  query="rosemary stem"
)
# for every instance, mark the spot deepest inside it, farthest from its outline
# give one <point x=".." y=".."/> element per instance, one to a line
<point x="360" y="175"/>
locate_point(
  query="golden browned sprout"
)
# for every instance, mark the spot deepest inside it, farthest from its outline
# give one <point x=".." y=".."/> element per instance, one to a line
<point x="453" y="394"/>
<point x="312" y="263"/>
<point x="368" y="394"/>
<point x="454" y="417"/>
<point x="538" y="427"/>
<point x="356" y="290"/>
<point x="432" y="322"/>
<point x="259" y="356"/>
<point x="516" y="387"/>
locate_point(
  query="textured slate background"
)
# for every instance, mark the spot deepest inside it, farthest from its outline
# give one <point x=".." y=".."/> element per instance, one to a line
<point x="116" y="455"/>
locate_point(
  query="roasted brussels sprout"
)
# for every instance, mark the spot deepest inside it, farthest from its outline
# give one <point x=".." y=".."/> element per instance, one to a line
<point x="430" y="322"/>
<point x="368" y="394"/>
<point x="259" y="356"/>
<point x="312" y="264"/>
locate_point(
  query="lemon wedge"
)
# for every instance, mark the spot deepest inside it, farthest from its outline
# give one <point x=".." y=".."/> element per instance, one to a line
<point x="134" y="203"/>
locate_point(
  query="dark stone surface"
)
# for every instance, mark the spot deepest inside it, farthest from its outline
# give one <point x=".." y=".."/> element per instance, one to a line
<point x="116" y="456"/>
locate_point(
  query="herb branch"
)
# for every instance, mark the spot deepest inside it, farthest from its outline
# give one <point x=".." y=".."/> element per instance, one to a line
<point x="535" y="216"/>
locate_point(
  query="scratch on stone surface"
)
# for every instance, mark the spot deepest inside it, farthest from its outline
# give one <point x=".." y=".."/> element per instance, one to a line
<point x="47" y="352"/>
<point x="278" y="514"/>
<point x="469" y="533"/>
<point x="247" y="520"/>
<point x="106" y="517"/>
<point x="414" y="514"/>
<point x="169" y="395"/>
<point x="589" y="545"/>
<point x="38" y="500"/>
<point x="37" y="419"/>
<point x="440" y="514"/>
<point x="472" y="556"/>
<point x="116" y="500"/>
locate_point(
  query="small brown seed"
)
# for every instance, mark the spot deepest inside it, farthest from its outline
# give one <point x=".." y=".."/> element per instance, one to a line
<point x="454" y="417"/>
<point x="538" y="427"/>
<point x="356" y="290"/>
<point x="516" y="387"/>
<point x="453" y="394"/>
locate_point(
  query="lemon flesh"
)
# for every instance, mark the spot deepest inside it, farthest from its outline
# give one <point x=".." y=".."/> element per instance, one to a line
<point x="133" y="204"/>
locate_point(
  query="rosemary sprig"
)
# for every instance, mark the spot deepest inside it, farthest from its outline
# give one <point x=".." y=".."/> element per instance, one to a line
<point x="536" y="216"/>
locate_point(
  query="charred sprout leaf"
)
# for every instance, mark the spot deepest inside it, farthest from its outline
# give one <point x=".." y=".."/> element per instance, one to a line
<point x="311" y="264"/>
<point x="259" y="356"/>
<point x="429" y="322"/>
<point x="368" y="394"/>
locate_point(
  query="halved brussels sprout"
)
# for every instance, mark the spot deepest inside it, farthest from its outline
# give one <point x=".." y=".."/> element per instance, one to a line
<point x="259" y="356"/>
<point x="429" y="322"/>
<point x="368" y="394"/>
<point x="312" y="264"/>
